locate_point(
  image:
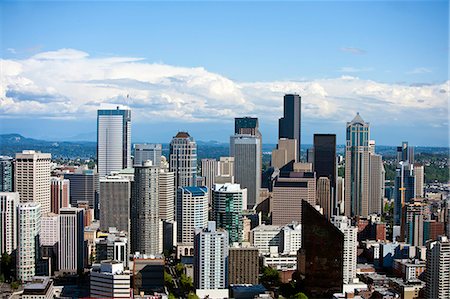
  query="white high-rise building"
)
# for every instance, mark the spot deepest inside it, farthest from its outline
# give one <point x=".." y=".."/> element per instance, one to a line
<point x="211" y="258"/>
<point x="209" y="173"/>
<point x="32" y="178"/>
<point x="9" y="201"/>
<point x="183" y="159"/>
<point x="110" y="280"/>
<point x="265" y="236"/>
<point x="166" y="184"/>
<point x="113" y="140"/>
<point x="192" y="212"/>
<point x="50" y="229"/>
<point x="145" y="225"/>
<point x="290" y="239"/>
<point x="437" y="274"/>
<point x="246" y="150"/>
<point x="29" y="229"/>
<point x="71" y="240"/>
<point x="350" y="247"/>
<point x="144" y="152"/>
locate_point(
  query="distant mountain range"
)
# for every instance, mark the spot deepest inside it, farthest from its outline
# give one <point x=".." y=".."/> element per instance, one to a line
<point x="13" y="143"/>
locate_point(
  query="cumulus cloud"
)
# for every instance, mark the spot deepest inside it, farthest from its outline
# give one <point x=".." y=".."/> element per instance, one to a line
<point x="69" y="83"/>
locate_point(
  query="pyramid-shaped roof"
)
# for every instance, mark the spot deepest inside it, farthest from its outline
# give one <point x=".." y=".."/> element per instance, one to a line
<point x="358" y="119"/>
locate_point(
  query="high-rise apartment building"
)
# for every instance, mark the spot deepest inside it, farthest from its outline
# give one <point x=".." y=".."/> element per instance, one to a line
<point x="113" y="140"/>
<point x="288" y="192"/>
<point x="9" y="201"/>
<point x="144" y="152"/>
<point x="50" y="230"/>
<point x="145" y="223"/>
<point x="350" y="247"/>
<point x="183" y="159"/>
<point x="376" y="184"/>
<point x="289" y="126"/>
<point x="243" y="265"/>
<point x="246" y="150"/>
<point x="166" y="184"/>
<point x="71" y="241"/>
<point x="227" y="204"/>
<point x="357" y="168"/>
<point x="437" y="275"/>
<point x="209" y="173"/>
<point x="115" y="198"/>
<point x="6" y="174"/>
<point x="211" y="258"/>
<point x="29" y="229"/>
<point x="32" y="178"/>
<point x="60" y="193"/>
<point x="324" y="196"/>
<point x="192" y="212"/>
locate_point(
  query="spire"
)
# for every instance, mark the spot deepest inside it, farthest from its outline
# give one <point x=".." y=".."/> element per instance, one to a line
<point x="358" y="119"/>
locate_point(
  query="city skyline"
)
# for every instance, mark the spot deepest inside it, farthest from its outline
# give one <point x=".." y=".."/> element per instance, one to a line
<point x="200" y="84"/>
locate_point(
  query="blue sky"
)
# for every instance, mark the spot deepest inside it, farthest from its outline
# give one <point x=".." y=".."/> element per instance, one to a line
<point x="252" y="48"/>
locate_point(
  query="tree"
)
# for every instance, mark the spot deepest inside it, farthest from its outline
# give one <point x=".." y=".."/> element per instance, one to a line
<point x="299" y="295"/>
<point x="171" y="296"/>
<point x="6" y="266"/>
<point x="192" y="295"/>
<point x="270" y="277"/>
<point x="179" y="268"/>
<point x="168" y="280"/>
<point x="186" y="282"/>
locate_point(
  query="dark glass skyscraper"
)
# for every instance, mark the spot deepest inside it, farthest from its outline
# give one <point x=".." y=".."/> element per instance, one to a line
<point x="247" y="125"/>
<point x="325" y="160"/>
<point x="6" y="174"/>
<point x="320" y="260"/>
<point x="289" y="125"/>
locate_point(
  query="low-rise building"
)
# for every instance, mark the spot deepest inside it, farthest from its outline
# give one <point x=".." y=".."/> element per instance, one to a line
<point x="110" y="280"/>
<point x="40" y="287"/>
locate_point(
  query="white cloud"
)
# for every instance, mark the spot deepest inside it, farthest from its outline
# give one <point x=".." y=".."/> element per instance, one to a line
<point x="70" y="83"/>
<point x="420" y="70"/>
<point x="353" y="50"/>
<point x="350" y="69"/>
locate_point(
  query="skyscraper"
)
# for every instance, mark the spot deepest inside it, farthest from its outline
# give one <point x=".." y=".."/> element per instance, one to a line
<point x="350" y="247"/>
<point x="71" y="242"/>
<point x="183" y="159"/>
<point x="113" y="140"/>
<point x="144" y="152"/>
<point x="289" y="125"/>
<point x="211" y="258"/>
<point x="246" y="151"/>
<point x="209" y="172"/>
<point x="285" y="152"/>
<point x="357" y="168"/>
<point x="225" y="170"/>
<point x="288" y="192"/>
<point x="404" y="189"/>
<point x="227" y="204"/>
<point x="324" y="242"/>
<point x="324" y="196"/>
<point x="376" y="184"/>
<point x="6" y="174"/>
<point x="145" y="225"/>
<point x="192" y="212"/>
<point x="419" y="175"/>
<point x="437" y="269"/>
<point x="29" y="228"/>
<point x="84" y="186"/>
<point x="32" y="178"/>
<point x="60" y="193"/>
<point x="115" y="198"/>
<point x="166" y="197"/>
<point x="325" y="164"/>
<point x="9" y="201"/>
